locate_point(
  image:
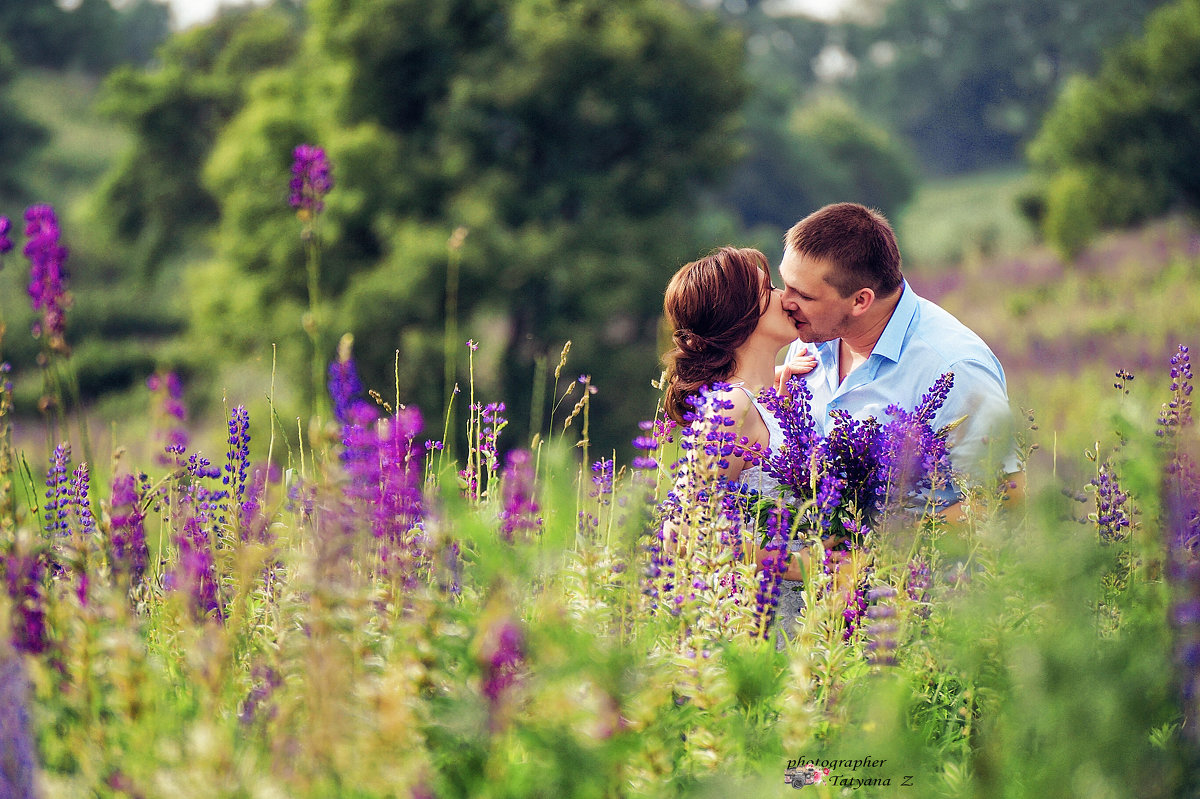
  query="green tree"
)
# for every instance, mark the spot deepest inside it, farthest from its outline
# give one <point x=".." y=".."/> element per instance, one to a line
<point x="152" y="202"/>
<point x="968" y="81"/>
<point x="800" y="157"/>
<point x="91" y="35"/>
<point x="802" y="145"/>
<point x="1120" y="147"/>
<point x="19" y="136"/>
<point x="571" y="137"/>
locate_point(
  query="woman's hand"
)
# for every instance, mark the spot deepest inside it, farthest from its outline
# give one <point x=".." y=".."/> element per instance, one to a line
<point x="801" y="364"/>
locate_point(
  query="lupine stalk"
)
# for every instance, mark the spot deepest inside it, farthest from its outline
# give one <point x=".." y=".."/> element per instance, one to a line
<point x="501" y="657"/>
<point x="196" y="575"/>
<point x="47" y="276"/>
<point x="83" y="528"/>
<point x="1177" y="412"/>
<point x="1113" y="512"/>
<point x="774" y="565"/>
<point x="881" y="629"/>
<point x="519" y="515"/>
<point x="6" y="244"/>
<point x="917" y="587"/>
<point x="237" y="460"/>
<point x="128" y="553"/>
<point x="311" y="181"/>
<point x="18" y="754"/>
<point x="56" y="511"/>
<point x="170" y="415"/>
<point x="25" y="581"/>
<point x="1181" y="506"/>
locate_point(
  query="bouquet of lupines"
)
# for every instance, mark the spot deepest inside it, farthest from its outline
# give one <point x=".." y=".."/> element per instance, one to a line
<point x="845" y="483"/>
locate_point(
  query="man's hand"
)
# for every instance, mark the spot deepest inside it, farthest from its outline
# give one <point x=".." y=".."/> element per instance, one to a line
<point x="801" y="364"/>
<point x="1012" y="493"/>
<point x="800" y="562"/>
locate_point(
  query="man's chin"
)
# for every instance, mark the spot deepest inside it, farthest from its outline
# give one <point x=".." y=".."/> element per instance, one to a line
<point x="806" y="334"/>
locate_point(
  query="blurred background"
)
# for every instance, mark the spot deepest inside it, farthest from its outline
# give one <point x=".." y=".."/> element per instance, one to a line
<point x="536" y="170"/>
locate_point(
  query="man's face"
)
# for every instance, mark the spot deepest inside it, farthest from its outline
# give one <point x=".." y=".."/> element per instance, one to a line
<point x="816" y="308"/>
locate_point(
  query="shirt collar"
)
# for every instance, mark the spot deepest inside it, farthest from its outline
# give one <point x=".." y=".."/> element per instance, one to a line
<point x="891" y="341"/>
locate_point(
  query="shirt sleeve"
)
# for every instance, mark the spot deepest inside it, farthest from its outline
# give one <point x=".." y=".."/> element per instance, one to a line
<point x="982" y="446"/>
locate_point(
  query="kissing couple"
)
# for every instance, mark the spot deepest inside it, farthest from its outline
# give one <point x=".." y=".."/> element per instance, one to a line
<point x="854" y="331"/>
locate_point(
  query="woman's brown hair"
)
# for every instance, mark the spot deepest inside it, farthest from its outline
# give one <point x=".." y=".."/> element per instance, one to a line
<point x="712" y="306"/>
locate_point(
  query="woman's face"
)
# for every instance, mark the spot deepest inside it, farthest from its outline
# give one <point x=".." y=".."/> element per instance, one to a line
<point x="774" y="325"/>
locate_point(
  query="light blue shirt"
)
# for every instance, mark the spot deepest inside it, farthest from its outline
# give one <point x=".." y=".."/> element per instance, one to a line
<point x="920" y="343"/>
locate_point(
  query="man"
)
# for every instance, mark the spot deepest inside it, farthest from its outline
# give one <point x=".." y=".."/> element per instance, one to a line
<point x="877" y="343"/>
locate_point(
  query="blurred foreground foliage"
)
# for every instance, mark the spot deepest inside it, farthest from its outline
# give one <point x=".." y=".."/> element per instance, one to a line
<point x="337" y="650"/>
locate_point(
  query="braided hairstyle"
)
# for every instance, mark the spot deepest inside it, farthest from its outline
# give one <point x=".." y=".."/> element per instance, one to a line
<point x="712" y="306"/>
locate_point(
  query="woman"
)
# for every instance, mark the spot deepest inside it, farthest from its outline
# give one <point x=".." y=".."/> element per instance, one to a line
<point x="728" y="325"/>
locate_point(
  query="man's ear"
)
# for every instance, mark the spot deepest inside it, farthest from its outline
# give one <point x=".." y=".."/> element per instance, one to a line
<point x="862" y="301"/>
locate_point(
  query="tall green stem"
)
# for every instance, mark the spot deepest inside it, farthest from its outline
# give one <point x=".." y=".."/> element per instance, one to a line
<point x="450" y="340"/>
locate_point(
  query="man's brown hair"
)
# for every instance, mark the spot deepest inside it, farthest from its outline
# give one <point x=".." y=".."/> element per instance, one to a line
<point x="857" y="241"/>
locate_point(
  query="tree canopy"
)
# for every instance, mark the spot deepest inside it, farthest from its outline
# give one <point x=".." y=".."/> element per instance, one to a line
<point x="571" y="138"/>
<point x="968" y="81"/>
<point x="1121" y="146"/>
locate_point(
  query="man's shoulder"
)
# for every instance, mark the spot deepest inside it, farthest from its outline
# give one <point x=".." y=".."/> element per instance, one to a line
<point x="940" y="336"/>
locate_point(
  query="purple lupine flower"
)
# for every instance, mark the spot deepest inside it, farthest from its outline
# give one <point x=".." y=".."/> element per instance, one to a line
<point x="255" y="706"/>
<point x="311" y="180"/>
<point x="253" y="523"/>
<point x="493" y="423"/>
<point x="172" y="414"/>
<point x="774" y="565"/>
<point x="917" y="588"/>
<point x="19" y="764"/>
<point x="1181" y="516"/>
<point x="645" y="444"/>
<point x="933" y="400"/>
<point x="196" y="574"/>
<point x="1181" y="503"/>
<point x="47" y="275"/>
<point x="881" y="626"/>
<point x="237" y="459"/>
<point x="79" y="501"/>
<point x="1113" y="510"/>
<point x="56" y="511"/>
<point x="856" y="607"/>
<point x="792" y="464"/>
<point x="5" y="242"/>
<point x="1177" y="413"/>
<point x="24" y="579"/>
<point x="502" y="656"/>
<point x="345" y="389"/>
<point x="519" y="515"/>
<point x="383" y="461"/>
<point x="602" y="477"/>
<point x="400" y="460"/>
<point x="128" y="552"/>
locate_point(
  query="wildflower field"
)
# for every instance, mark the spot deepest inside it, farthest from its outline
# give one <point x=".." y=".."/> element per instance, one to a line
<point x="372" y="612"/>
